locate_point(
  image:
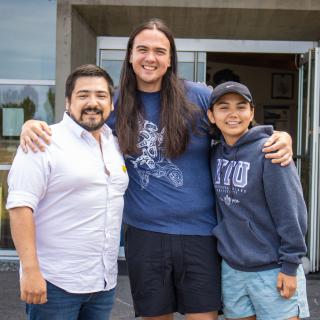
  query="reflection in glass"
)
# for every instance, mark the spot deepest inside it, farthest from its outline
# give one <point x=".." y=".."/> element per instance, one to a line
<point x="12" y="121"/>
<point x="111" y="61"/>
<point x="19" y="103"/>
<point x="28" y="39"/>
<point x="201" y="72"/>
<point x="113" y="67"/>
<point x="186" y="70"/>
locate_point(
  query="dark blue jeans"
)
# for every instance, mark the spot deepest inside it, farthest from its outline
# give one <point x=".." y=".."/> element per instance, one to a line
<point x="63" y="305"/>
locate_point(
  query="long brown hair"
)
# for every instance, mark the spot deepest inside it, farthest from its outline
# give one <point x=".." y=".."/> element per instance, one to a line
<point x="177" y="115"/>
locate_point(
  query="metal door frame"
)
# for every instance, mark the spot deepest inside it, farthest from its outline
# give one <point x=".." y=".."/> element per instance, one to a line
<point x="314" y="226"/>
<point x="311" y="62"/>
<point x="218" y="45"/>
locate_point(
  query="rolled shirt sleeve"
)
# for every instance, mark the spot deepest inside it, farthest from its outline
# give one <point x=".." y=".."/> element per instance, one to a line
<point x="28" y="179"/>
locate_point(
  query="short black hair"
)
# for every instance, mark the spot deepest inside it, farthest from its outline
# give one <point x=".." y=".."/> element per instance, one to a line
<point x="87" y="70"/>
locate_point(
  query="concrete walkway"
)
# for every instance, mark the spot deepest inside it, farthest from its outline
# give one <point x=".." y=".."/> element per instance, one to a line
<point x="12" y="309"/>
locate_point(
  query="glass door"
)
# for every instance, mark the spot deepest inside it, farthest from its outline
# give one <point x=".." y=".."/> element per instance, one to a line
<point x="20" y="100"/>
<point x="192" y="65"/>
<point x="308" y="147"/>
<point x="111" y="61"/>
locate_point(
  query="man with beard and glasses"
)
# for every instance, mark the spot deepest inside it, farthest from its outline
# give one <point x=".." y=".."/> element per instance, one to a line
<point x="66" y="207"/>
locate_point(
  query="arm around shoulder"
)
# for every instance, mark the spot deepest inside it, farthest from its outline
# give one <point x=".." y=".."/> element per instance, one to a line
<point x="279" y="148"/>
<point x="34" y="134"/>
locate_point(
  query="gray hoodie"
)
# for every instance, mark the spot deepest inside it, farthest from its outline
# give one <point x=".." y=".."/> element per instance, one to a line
<point x="262" y="217"/>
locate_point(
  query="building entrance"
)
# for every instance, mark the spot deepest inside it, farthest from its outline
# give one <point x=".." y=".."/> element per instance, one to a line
<point x="284" y="81"/>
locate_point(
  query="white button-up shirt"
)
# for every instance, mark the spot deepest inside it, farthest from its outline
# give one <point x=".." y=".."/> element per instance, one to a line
<point x="76" y="192"/>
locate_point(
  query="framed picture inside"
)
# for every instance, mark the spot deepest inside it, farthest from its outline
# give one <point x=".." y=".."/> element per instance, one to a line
<point x="277" y="116"/>
<point x="282" y="86"/>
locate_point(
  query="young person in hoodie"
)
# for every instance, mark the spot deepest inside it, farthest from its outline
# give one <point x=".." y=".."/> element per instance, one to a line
<point x="262" y="217"/>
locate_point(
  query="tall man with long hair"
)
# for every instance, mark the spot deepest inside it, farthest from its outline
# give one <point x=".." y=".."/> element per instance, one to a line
<point x="169" y="205"/>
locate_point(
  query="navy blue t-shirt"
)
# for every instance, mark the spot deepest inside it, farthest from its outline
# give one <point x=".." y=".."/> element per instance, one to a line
<point x="172" y="196"/>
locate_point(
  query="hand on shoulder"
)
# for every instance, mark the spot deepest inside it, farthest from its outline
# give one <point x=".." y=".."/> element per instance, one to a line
<point x="31" y="132"/>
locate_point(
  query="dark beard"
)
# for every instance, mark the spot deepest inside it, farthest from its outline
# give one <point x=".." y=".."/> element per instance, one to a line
<point x="89" y="127"/>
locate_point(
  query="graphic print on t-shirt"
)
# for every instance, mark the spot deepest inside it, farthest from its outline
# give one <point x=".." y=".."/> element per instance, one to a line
<point x="152" y="161"/>
<point x="231" y="179"/>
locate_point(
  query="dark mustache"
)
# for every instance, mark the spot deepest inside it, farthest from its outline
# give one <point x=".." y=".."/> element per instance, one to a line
<point x="91" y="109"/>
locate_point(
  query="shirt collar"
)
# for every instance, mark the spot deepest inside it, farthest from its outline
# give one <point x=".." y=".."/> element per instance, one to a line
<point x="81" y="132"/>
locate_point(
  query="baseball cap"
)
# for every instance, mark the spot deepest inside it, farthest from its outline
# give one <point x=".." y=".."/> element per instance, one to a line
<point x="230" y="87"/>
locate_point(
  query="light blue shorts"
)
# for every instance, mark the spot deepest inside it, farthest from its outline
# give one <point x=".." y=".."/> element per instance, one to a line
<point x="246" y="294"/>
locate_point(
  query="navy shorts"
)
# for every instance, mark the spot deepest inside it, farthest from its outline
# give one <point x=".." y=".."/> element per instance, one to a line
<point x="172" y="273"/>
